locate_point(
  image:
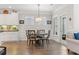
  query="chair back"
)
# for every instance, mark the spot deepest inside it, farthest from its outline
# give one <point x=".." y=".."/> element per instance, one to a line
<point x="27" y="35"/>
<point x="31" y="34"/>
<point x="31" y="31"/>
<point x="40" y="31"/>
<point x="48" y="34"/>
<point x="26" y="32"/>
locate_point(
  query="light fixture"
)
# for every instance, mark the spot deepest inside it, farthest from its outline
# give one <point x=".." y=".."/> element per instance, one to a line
<point x="51" y="12"/>
<point x="38" y="18"/>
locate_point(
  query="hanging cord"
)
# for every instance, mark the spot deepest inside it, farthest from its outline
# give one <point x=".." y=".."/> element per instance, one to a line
<point x="51" y="14"/>
<point x="51" y="10"/>
<point x="38" y="10"/>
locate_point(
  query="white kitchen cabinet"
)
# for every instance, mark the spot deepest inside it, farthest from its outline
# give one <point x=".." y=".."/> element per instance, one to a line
<point x="12" y="19"/>
<point x="1" y="19"/>
<point x="9" y="36"/>
<point x="9" y="19"/>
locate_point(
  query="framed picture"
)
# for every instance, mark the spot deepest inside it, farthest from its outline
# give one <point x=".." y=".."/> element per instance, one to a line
<point x="21" y="21"/>
<point x="49" y="22"/>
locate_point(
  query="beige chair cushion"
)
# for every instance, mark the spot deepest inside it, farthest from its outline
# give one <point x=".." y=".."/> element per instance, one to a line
<point x="70" y="35"/>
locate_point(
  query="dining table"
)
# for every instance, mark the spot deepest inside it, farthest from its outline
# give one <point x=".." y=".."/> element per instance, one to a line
<point x="39" y="39"/>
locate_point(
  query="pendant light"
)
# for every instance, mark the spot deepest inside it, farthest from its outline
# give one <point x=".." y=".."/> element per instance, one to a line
<point x="38" y="18"/>
<point x="51" y="11"/>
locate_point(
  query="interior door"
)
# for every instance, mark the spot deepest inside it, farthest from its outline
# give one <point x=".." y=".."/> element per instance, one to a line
<point x="56" y="28"/>
<point x="63" y="26"/>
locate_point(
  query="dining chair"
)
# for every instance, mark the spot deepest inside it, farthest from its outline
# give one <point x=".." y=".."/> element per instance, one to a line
<point x="27" y="35"/>
<point x="40" y="33"/>
<point x="31" y="37"/>
<point x="31" y="31"/>
<point x="46" y="37"/>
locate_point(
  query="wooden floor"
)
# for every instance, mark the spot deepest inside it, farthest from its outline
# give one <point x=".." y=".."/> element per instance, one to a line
<point x="21" y="48"/>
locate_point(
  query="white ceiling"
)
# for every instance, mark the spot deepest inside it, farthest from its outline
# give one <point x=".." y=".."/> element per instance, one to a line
<point x="43" y="7"/>
<point x="32" y="8"/>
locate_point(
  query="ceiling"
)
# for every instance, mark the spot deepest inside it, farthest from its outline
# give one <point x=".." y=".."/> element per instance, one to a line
<point x="32" y="8"/>
<point x="43" y="7"/>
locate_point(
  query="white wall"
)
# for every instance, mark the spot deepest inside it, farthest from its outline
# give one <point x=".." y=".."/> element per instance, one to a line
<point x="36" y="26"/>
<point x="76" y="17"/>
<point x="60" y="10"/>
<point x="63" y="11"/>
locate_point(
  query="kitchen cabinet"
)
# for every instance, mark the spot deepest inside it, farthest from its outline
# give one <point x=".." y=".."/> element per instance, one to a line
<point x="1" y="19"/>
<point x="9" y="19"/>
<point x="9" y="36"/>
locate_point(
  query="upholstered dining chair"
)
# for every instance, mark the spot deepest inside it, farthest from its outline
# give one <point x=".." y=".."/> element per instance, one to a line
<point x="31" y="37"/>
<point x="40" y="33"/>
<point x="27" y="36"/>
<point x="46" y="37"/>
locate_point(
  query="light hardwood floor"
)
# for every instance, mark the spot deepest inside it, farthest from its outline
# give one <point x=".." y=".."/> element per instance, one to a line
<point x="21" y="48"/>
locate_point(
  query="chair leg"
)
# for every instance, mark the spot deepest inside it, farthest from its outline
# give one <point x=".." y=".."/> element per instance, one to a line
<point x="27" y="42"/>
<point x="32" y="42"/>
<point x="68" y="50"/>
<point x="46" y="41"/>
<point x="42" y="42"/>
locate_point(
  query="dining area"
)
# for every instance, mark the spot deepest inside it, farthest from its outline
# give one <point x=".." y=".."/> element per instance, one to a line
<point x="38" y="37"/>
<point x="37" y="30"/>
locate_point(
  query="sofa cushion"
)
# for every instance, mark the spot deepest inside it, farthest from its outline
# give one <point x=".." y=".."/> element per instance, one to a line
<point x="76" y="36"/>
<point x="70" y="35"/>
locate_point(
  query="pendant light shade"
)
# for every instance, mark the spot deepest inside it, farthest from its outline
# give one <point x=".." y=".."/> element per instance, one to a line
<point x="38" y="18"/>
